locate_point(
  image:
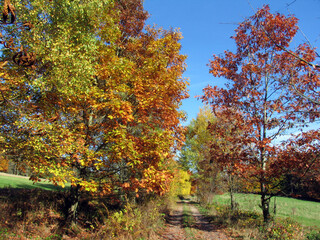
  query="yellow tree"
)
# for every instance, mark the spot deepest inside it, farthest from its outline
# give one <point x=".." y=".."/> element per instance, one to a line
<point x="97" y="96"/>
<point x="196" y="157"/>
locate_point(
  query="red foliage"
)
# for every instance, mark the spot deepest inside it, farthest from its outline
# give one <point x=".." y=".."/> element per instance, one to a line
<point x="261" y="99"/>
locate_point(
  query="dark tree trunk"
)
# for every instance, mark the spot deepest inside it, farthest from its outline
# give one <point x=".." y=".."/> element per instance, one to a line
<point x="265" y="203"/>
<point x="72" y="204"/>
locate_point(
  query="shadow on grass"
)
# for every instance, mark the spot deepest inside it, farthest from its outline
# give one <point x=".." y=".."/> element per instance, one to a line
<point x="188" y="202"/>
<point x="45" y="186"/>
<point x="20" y="201"/>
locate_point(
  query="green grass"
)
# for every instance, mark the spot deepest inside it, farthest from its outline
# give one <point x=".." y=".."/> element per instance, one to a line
<point x="8" y="181"/>
<point x="306" y="213"/>
<point x="187" y="222"/>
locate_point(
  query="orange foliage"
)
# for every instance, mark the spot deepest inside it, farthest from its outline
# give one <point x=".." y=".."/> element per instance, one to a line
<point x="4" y="164"/>
<point x="113" y="131"/>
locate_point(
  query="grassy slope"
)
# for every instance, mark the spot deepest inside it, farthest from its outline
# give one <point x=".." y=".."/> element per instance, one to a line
<point x="24" y="182"/>
<point x="305" y="212"/>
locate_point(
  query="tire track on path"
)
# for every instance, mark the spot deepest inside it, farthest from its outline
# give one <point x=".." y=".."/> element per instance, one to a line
<point x="198" y="228"/>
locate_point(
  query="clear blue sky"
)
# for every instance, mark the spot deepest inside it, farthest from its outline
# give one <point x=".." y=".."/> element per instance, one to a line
<point x="207" y="26"/>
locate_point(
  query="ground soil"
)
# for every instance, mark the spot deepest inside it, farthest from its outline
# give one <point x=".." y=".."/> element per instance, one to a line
<point x="199" y="228"/>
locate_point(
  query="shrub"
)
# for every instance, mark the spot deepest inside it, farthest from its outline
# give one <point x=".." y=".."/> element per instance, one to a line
<point x="313" y="235"/>
<point x="37" y="214"/>
<point x="282" y="230"/>
<point x="133" y="222"/>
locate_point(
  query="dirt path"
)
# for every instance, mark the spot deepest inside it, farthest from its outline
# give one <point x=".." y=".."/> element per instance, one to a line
<point x="12" y="175"/>
<point x="185" y="222"/>
<point x="174" y="229"/>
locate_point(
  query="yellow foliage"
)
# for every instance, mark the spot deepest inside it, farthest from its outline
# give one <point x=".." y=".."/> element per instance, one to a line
<point x="4" y="164"/>
<point x="181" y="184"/>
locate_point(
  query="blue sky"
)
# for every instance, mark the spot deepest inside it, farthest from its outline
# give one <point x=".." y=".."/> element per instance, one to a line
<point x="207" y="26"/>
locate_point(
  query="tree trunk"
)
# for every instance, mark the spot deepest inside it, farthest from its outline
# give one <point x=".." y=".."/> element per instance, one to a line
<point x="265" y="200"/>
<point x="265" y="203"/>
<point x="71" y="204"/>
<point x="231" y="191"/>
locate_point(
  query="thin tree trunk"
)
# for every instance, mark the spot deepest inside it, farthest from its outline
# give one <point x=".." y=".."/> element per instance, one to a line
<point x="231" y="191"/>
<point x="265" y="200"/>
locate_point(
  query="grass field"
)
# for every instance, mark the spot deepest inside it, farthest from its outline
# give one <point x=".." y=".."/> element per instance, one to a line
<point x="12" y="181"/>
<point x="306" y="213"/>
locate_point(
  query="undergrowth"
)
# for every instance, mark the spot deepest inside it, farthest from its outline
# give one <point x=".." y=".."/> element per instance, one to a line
<point x="249" y="225"/>
<point x="38" y="214"/>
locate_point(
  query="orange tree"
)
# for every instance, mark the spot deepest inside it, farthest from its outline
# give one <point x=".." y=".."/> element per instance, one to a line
<point x="259" y="92"/>
<point x="96" y="94"/>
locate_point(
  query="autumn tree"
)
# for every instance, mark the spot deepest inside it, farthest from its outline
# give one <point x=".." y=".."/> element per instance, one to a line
<point x="304" y="58"/>
<point x="226" y="148"/>
<point x="96" y="95"/>
<point x="4" y="164"/>
<point x="195" y="148"/>
<point x="259" y="93"/>
<point x="181" y="185"/>
<point x="299" y="163"/>
<point x="196" y="157"/>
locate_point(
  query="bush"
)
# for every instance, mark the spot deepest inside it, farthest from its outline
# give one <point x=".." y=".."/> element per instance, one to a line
<point x="282" y="230"/>
<point x="133" y="222"/>
<point x="313" y="235"/>
<point x="37" y="214"/>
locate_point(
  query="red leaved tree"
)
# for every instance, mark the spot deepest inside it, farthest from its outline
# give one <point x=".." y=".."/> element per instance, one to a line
<point x="259" y="92"/>
<point x="299" y="162"/>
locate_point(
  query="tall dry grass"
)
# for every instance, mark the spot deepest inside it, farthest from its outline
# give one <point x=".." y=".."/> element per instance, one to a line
<point x="39" y="214"/>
